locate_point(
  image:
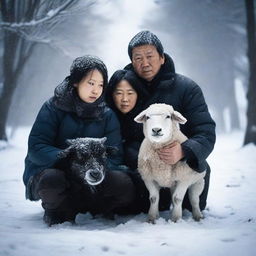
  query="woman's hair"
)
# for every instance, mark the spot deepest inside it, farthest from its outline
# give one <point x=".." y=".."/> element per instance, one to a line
<point x="66" y="97"/>
<point x="81" y="66"/>
<point x="116" y="78"/>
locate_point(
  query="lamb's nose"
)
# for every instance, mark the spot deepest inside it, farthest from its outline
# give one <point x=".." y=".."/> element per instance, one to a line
<point x="156" y="130"/>
<point x="95" y="174"/>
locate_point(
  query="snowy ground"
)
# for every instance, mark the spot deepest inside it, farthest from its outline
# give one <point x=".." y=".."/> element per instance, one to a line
<point x="229" y="227"/>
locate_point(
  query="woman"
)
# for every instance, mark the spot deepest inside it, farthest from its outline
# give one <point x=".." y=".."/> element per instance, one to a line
<point x="125" y="95"/>
<point x="77" y="109"/>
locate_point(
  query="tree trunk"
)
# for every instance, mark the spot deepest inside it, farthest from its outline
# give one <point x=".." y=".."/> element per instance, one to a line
<point x="5" y="102"/>
<point x="233" y="108"/>
<point x="250" y="135"/>
<point x="20" y="21"/>
<point x="15" y="55"/>
<point x="9" y="83"/>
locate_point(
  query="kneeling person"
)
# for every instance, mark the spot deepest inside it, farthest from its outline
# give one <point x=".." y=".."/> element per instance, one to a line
<point x="77" y="109"/>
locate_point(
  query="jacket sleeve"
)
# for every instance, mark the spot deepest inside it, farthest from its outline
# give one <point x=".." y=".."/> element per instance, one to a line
<point x="200" y="128"/>
<point x="113" y="134"/>
<point x="41" y="149"/>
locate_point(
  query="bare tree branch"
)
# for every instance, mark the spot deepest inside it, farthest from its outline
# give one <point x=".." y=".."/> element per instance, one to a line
<point x="52" y="14"/>
<point x="23" y="25"/>
<point x="40" y="30"/>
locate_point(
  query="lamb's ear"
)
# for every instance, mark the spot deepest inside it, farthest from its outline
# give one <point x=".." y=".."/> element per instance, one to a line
<point x="140" y="118"/>
<point x="66" y="152"/>
<point x="71" y="141"/>
<point x="103" y="140"/>
<point x="177" y="116"/>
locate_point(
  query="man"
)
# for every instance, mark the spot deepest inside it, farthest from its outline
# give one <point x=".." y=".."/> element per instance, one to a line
<point x="161" y="84"/>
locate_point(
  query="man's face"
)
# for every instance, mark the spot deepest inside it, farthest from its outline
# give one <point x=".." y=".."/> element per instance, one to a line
<point x="146" y="61"/>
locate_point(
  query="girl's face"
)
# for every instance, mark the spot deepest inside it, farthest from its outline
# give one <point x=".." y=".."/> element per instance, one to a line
<point x="90" y="88"/>
<point x="125" y="97"/>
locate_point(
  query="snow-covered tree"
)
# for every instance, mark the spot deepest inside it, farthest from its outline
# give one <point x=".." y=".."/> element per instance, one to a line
<point x="23" y="25"/>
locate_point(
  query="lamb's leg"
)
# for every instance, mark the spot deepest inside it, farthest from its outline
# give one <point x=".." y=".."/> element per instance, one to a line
<point x="153" y="189"/>
<point x="177" y="198"/>
<point x="194" y="192"/>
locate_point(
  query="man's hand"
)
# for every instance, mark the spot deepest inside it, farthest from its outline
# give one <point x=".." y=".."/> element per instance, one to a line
<point x="171" y="153"/>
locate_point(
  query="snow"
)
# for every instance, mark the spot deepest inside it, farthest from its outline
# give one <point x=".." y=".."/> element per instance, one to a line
<point x="229" y="226"/>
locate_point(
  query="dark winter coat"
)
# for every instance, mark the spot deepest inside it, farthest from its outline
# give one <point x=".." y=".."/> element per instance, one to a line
<point x="58" y="121"/>
<point x="186" y="97"/>
<point x="129" y="136"/>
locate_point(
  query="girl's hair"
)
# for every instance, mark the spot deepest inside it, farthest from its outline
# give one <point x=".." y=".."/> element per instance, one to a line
<point x="116" y="78"/>
<point x="81" y="66"/>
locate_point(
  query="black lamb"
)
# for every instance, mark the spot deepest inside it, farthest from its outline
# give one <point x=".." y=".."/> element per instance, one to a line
<point x="87" y="159"/>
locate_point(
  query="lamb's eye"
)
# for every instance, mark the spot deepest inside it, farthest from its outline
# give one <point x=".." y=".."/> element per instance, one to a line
<point x="168" y="116"/>
<point x="147" y="117"/>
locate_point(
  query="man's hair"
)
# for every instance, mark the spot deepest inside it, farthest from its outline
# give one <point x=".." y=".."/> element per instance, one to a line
<point x="143" y="38"/>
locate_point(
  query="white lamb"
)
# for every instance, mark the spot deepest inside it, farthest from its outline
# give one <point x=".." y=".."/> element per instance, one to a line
<point x="161" y="127"/>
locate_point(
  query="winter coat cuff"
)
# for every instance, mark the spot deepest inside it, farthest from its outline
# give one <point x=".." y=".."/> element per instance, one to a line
<point x="190" y="158"/>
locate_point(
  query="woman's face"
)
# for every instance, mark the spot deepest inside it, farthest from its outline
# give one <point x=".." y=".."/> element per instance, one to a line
<point x="90" y="88"/>
<point x="125" y="97"/>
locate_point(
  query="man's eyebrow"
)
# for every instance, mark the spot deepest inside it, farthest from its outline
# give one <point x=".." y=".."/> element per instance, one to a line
<point x="137" y="53"/>
<point x="140" y="53"/>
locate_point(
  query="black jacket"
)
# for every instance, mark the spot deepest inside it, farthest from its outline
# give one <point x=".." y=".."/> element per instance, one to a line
<point x="58" y="121"/>
<point x="186" y="97"/>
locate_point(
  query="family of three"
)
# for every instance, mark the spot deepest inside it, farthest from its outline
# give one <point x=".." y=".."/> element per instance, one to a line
<point x="85" y="104"/>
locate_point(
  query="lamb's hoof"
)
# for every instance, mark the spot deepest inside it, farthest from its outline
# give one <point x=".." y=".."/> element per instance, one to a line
<point x="175" y="218"/>
<point x="151" y="220"/>
<point x="198" y="217"/>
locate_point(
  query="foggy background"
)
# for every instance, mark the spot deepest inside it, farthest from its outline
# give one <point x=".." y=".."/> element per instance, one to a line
<point x="208" y="41"/>
<point x="205" y="38"/>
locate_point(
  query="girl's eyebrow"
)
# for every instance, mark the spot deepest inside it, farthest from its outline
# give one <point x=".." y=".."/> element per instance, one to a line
<point x="95" y="80"/>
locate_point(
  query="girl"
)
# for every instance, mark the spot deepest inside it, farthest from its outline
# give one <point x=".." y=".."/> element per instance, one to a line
<point x="77" y="109"/>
